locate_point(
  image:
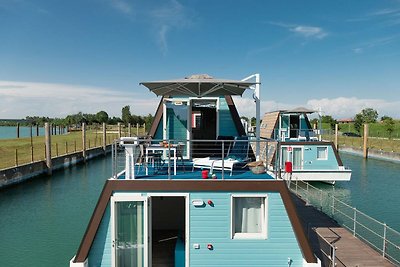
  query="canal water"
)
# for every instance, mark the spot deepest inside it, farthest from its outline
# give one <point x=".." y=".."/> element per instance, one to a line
<point x="42" y="221"/>
<point x="10" y="132"/>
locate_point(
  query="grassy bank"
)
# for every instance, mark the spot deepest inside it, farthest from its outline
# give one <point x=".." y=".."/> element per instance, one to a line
<point x="378" y="143"/>
<point x="14" y="152"/>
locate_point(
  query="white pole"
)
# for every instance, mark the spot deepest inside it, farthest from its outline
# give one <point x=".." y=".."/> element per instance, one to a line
<point x="256" y="97"/>
<point x="258" y="108"/>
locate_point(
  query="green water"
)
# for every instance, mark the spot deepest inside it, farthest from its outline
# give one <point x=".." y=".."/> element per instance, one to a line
<point x="42" y="221"/>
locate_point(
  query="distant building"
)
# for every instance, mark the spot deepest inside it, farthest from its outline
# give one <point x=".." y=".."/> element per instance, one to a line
<point x="345" y="121"/>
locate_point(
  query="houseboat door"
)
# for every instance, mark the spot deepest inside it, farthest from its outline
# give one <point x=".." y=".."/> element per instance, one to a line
<point x="297" y="158"/>
<point x="176" y="123"/>
<point x="129" y="222"/>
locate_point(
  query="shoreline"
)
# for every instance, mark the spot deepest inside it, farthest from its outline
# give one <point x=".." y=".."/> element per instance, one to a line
<point x="373" y="154"/>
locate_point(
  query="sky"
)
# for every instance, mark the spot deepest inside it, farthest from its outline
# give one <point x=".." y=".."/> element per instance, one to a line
<point x="60" y="57"/>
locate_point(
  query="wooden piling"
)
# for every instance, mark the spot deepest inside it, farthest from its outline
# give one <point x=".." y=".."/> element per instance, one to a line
<point x="336" y="136"/>
<point x="129" y="130"/>
<point x="84" y="141"/>
<point x="137" y="129"/>
<point x="365" y="150"/>
<point x="17" y="129"/>
<point x="47" y="133"/>
<point x="37" y="129"/>
<point x="119" y="130"/>
<point x="104" y="137"/>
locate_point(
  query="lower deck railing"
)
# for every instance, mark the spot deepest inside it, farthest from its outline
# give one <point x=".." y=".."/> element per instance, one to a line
<point x="376" y="234"/>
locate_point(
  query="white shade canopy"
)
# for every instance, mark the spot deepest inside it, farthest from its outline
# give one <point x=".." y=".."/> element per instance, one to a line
<point x="201" y="85"/>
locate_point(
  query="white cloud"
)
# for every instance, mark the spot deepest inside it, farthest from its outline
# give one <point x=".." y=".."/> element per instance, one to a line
<point x="309" y="32"/>
<point x="345" y="107"/>
<point x="340" y="107"/>
<point x="172" y="15"/>
<point x="122" y="6"/>
<point x="21" y="99"/>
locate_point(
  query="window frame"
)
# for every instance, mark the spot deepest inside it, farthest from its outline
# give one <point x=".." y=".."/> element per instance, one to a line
<point x="326" y="154"/>
<point x="264" y="218"/>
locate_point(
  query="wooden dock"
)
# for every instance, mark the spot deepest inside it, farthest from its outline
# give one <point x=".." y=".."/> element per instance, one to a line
<point x="350" y="251"/>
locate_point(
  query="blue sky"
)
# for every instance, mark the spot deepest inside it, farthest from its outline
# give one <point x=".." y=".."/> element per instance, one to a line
<point x="61" y="57"/>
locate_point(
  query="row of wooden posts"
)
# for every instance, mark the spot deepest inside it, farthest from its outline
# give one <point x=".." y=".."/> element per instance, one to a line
<point x="365" y="139"/>
<point x="55" y="129"/>
<point x="104" y="143"/>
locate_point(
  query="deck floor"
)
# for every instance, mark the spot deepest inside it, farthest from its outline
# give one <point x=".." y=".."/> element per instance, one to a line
<point x="350" y="251"/>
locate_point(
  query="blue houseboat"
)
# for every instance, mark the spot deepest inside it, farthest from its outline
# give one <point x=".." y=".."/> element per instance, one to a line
<point x="301" y="153"/>
<point x="186" y="196"/>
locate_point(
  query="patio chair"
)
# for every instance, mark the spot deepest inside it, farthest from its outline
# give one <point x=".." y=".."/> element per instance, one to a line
<point x="238" y="154"/>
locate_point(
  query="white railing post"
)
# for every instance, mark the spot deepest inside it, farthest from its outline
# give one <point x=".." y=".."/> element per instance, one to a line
<point x="169" y="160"/>
<point x="354" y="221"/>
<point x="384" y="240"/>
<point x="333" y="256"/>
<point x="223" y="160"/>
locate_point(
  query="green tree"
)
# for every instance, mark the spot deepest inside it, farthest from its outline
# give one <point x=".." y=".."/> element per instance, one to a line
<point x="358" y="122"/>
<point x="369" y="115"/>
<point x="389" y="126"/>
<point x="329" y="120"/>
<point x="102" y="116"/>
<point x="126" y="115"/>
<point x="383" y="118"/>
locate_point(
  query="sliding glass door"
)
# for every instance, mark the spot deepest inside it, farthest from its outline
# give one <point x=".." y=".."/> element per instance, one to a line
<point x="130" y="232"/>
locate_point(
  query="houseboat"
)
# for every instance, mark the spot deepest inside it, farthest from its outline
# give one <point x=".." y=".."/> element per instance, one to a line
<point x="186" y="197"/>
<point x="299" y="152"/>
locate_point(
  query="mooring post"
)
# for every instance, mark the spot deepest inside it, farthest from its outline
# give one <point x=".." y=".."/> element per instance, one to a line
<point x="119" y="130"/>
<point x="37" y="129"/>
<point x="365" y="151"/>
<point x="47" y="135"/>
<point x="104" y="137"/>
<point x="336" y="136"/>
<point x="17" y="129"/>
<point x="129" y="130"/>
<point x="84" y="141"/>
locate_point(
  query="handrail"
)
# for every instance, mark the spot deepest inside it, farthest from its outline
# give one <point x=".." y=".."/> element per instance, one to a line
<point x="363" y="226"/>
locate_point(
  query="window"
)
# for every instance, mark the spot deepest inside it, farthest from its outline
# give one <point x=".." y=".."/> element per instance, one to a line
<point x="249" y="217"/>
<point x="322" y="153"/>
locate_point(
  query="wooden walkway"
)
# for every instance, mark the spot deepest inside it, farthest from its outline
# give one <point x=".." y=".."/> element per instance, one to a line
<point x="350" y="251"/>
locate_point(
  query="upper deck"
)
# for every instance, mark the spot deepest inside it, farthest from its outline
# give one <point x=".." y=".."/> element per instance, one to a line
<point x="147" y="159"/>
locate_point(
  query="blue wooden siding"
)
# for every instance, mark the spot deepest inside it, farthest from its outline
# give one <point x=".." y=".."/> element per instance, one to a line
<point x="312" y="163"/>
<point x="226" y="124"/>
<point x="100" y="252"/>
<point x="212" y="225"/>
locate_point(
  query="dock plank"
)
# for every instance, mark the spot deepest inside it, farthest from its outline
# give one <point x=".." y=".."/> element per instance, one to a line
<point x="350" y="251"/>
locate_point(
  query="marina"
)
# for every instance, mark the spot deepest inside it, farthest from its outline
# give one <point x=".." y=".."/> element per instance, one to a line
<point x="48" y="202"/>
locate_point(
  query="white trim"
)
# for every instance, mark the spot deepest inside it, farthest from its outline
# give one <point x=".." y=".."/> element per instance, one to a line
<point x="122" y="197"/>
<point x="264" y="231"/>
<point x="187" y="218"/>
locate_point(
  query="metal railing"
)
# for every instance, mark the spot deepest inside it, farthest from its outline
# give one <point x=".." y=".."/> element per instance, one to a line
<point x="184" y="153"/>
<point x="376" y="234"/>
<point x="326" y="248"/>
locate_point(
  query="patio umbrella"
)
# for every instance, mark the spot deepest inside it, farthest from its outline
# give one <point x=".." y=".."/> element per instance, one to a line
<point x="198" y="86"/>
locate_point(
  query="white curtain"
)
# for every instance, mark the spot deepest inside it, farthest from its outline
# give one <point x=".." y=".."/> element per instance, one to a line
<point x="248" y="214"/>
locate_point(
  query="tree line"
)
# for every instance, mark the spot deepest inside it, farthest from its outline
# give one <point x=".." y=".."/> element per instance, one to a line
<point x="367" y="115"/>
<point x="88" y="118"/>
